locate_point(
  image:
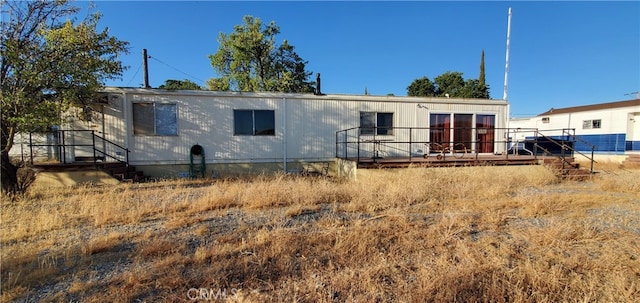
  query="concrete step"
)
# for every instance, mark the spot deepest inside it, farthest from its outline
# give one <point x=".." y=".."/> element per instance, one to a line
<point x="632" y="160"/>
<point x="124" y="173"/>
<point x="131" y="176"/>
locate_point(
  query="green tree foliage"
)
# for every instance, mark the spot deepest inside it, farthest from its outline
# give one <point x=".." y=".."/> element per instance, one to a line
<point x="482" y="90"/>
<point x="180" y="85"/>
<point x="450" y="84"/>
<point x="219" y="84"/>
<point x="481" y="77"/>
<point x="48" y="63"/>
<point x="422" y="87"/>
<point x="248" y="59"/>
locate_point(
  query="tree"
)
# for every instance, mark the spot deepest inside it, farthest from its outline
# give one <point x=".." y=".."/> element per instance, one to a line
<point x="472" y="89"/>
<point x="49" y="63"/>
<point x="451" y="84"/>
<point x="249" y="60"/>
<point x="289" y="71"/>
<point x="180" y="85"/>
<point x="422" y="87"/>
<point x="219" y="84"/>
<point x="482" y="88"/>
<point x="481" y="77"/>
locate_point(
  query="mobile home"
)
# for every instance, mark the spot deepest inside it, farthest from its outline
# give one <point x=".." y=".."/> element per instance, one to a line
<point x="240" y="132"/>
<point x="612" y="128"/>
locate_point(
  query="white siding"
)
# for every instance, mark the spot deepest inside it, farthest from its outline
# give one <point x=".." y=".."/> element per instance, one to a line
<point x="618" y="131"/>
<point x="305" y="125"/>
<point x="615" y="120"/>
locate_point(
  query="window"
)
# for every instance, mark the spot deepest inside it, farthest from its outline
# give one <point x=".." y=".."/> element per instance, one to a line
<point x="589" y="124"/>
<point x="376" y="123"/>
<point x="254" y="122"/>
<point x="155" y="119"/>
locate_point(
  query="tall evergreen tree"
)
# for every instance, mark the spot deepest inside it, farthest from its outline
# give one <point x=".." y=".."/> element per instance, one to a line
<point x="481" y="77"/>
<point x="482" y="88"/>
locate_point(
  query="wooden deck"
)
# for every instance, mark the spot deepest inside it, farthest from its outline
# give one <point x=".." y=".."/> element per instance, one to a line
<point x="450" y="160"/>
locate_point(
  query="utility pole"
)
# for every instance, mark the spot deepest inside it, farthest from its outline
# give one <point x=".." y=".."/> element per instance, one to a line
<point x="146" y="68"/>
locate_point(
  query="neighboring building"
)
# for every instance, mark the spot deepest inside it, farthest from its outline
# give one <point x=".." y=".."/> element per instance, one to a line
<point x="613" y="127"/>
<point x="241" y="132"/>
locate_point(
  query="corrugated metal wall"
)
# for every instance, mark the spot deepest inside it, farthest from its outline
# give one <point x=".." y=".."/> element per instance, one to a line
<point x="309" y="123"/>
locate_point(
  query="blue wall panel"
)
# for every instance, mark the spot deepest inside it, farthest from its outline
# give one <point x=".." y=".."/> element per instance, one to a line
<point x="603" y="143"/>
<point x="633" y="145"/>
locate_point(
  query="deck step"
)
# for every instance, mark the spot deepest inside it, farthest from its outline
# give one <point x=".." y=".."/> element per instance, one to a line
<point x="568" y="169"/>
<point x="632" y="160"/>
<point x="125" y="173"/>
<point x="578" y="174"/>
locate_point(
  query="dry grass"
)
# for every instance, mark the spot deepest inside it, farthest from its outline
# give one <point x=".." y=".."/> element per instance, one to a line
<point x="499" y="234"/>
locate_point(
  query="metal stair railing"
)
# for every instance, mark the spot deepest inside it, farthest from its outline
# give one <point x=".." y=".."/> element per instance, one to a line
<point x="565" y="147"/>
<point x="561" y="158"/>
<point x="104" y="152"/>
<point x="576" y="138"/>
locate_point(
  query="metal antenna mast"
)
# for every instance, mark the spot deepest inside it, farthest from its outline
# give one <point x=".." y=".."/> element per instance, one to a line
<point x="506" y="65"/>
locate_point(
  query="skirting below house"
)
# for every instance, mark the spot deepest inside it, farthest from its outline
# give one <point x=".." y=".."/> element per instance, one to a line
<point x="224" y="170"/>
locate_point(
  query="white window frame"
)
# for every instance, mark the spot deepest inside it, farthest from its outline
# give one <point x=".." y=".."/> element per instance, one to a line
<point x="592" y="124"/>
<point x="253" y="128"/>
<point x="375" y="128"/>
<point x="165" y="119"/>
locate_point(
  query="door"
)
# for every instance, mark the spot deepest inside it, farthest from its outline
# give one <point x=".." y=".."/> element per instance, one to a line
<point x="633" y="132"/>
<point x="462" y="129"/>
<point x="439" y="131"/>
<point x="485" y="130"/>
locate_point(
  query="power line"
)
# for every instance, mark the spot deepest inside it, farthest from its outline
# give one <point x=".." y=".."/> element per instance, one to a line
<point x="178" y="70"/>
<point x="134" y="75"/>
<point x="636" y="94"/>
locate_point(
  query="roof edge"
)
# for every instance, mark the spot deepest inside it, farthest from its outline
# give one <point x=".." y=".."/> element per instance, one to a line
<point x="133" y="90"/>
<point x="597" y="106"/>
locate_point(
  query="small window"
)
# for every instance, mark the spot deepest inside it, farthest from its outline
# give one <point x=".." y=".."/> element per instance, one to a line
<point x="254" y="123"/>
<point x="545" y="119"/>
<point x="155" y="119"/>
<point x="589" y="124"/>
<point x="376" y="123"/>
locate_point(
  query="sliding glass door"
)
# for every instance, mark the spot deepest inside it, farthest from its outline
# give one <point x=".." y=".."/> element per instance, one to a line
<point x="462" y="130"/>
<point x="485" y="129"/>
<point x="439" y="131"/>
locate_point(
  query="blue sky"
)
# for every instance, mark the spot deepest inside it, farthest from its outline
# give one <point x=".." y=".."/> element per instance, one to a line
<point x="561" y="53"/>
